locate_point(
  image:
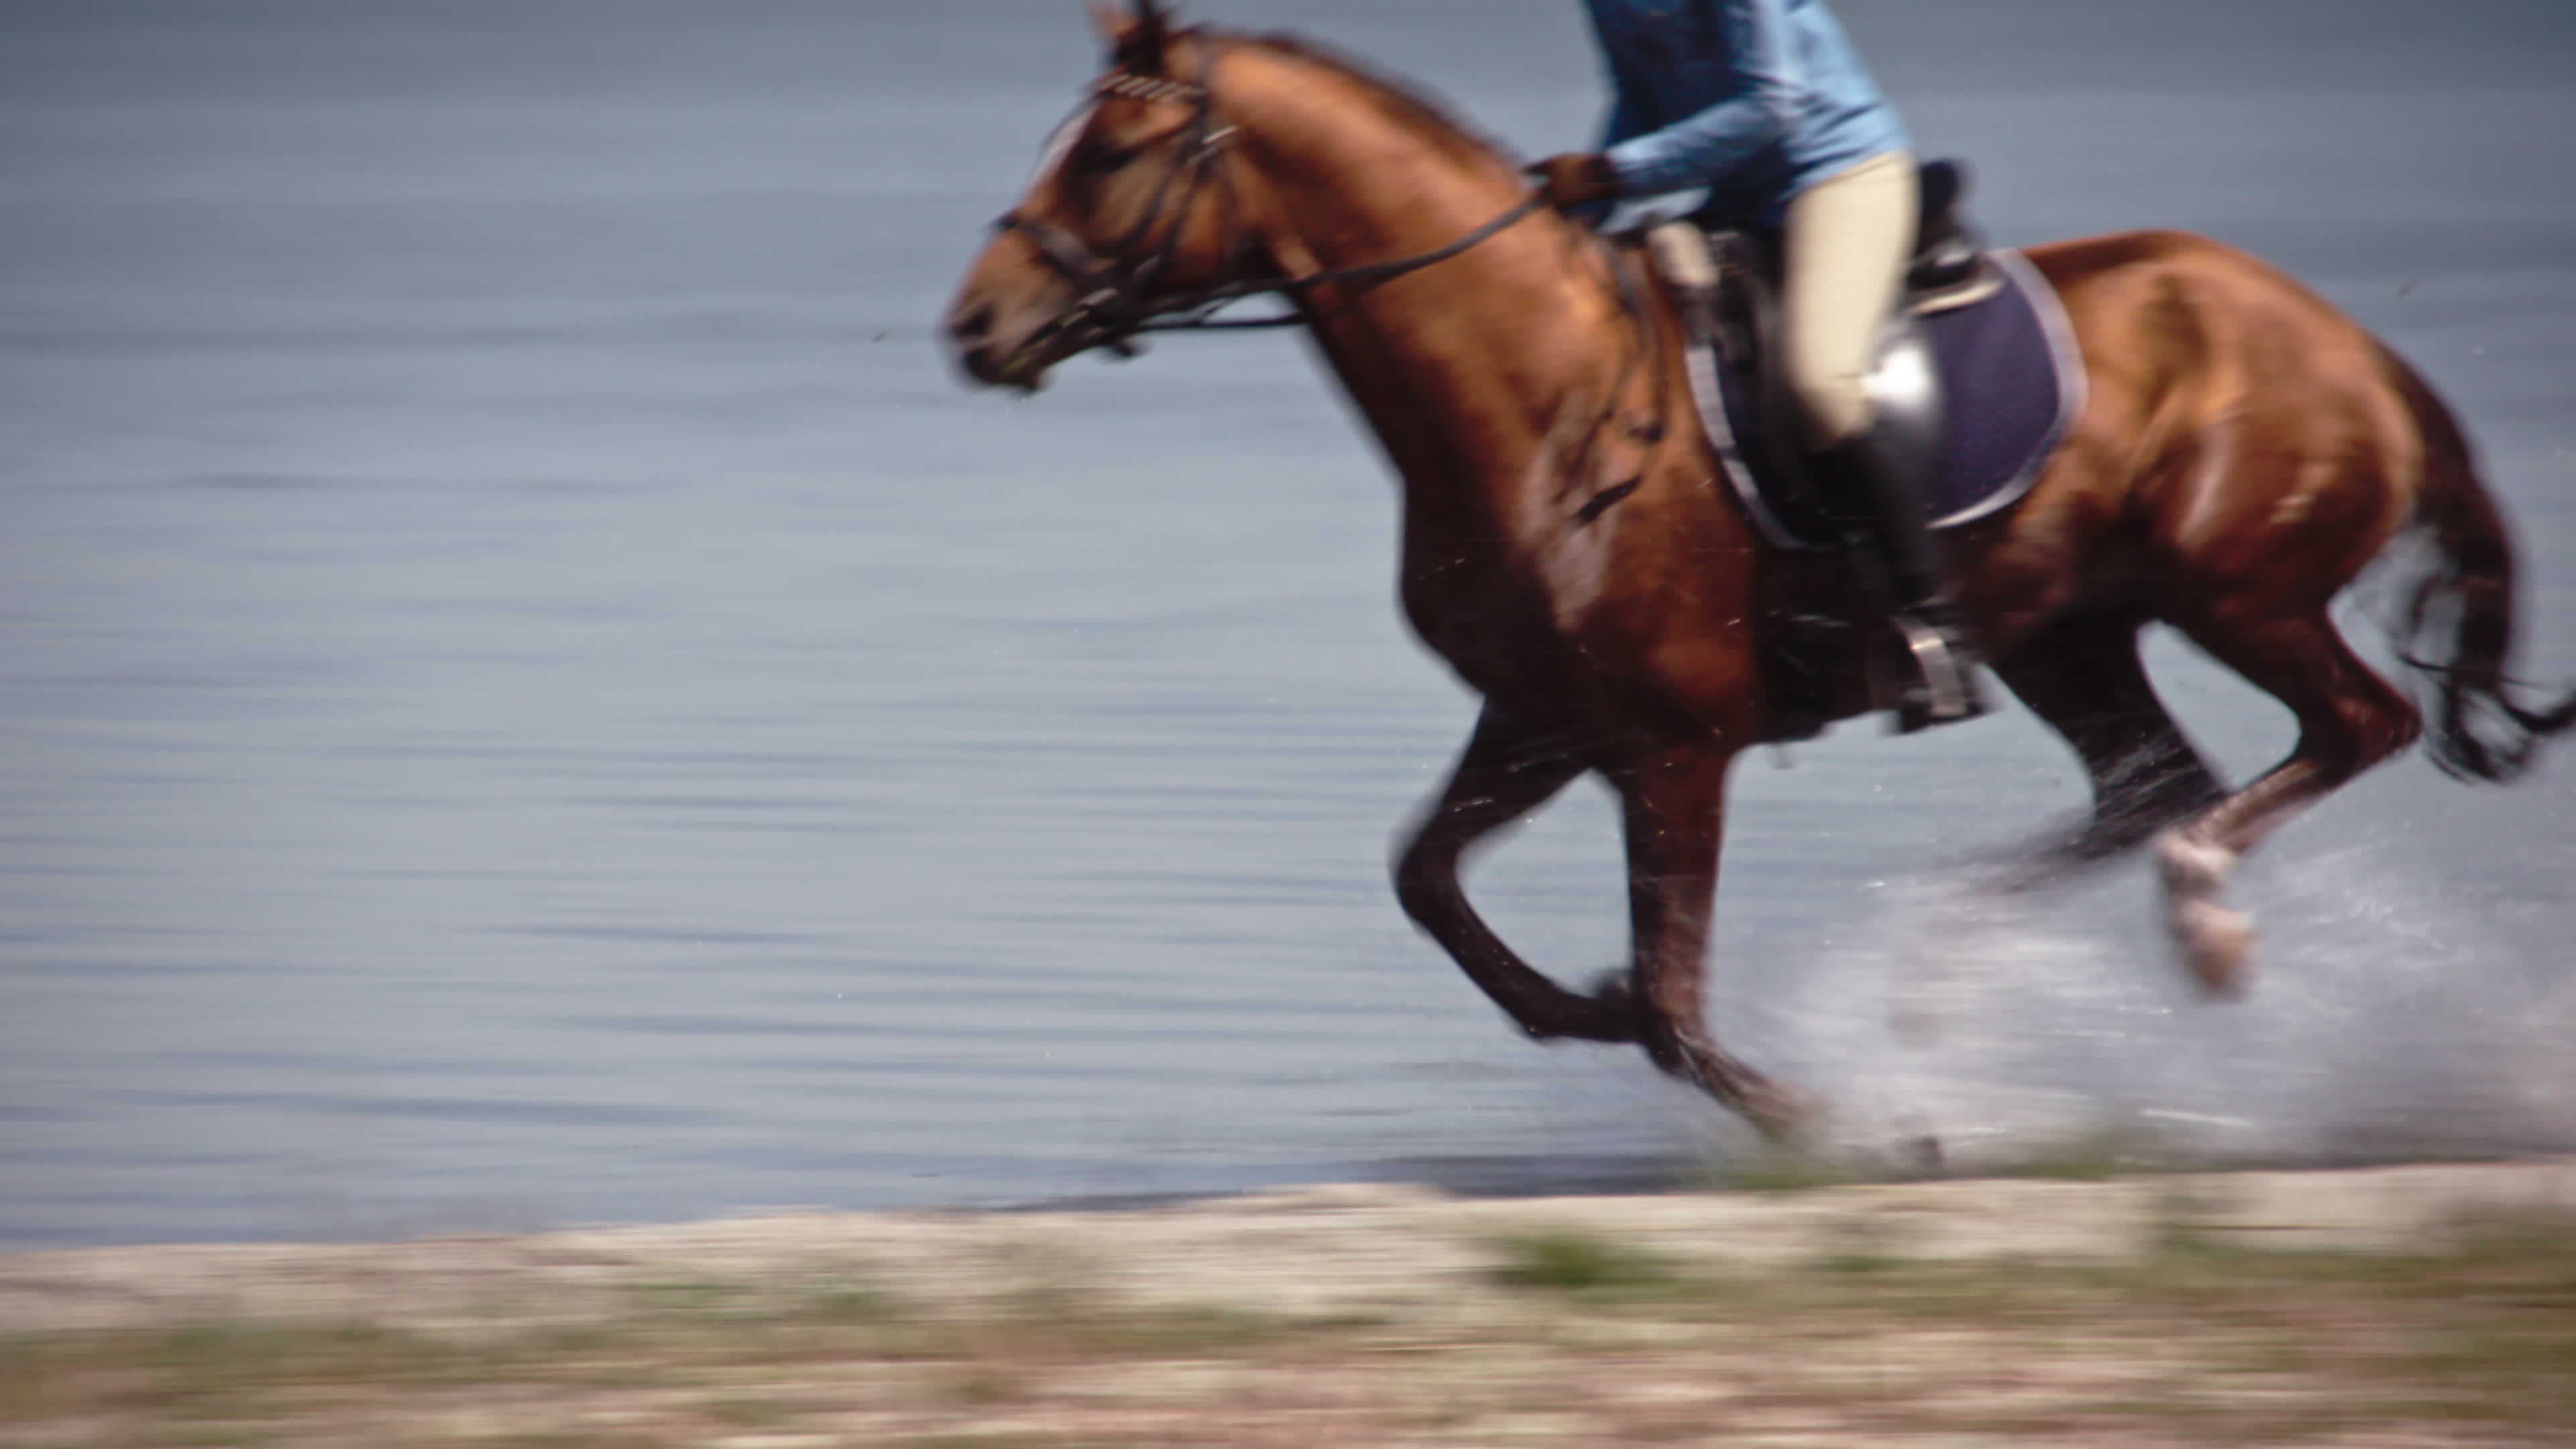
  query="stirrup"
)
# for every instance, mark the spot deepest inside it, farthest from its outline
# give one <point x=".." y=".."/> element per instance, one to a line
<point x="1944" y="692"/>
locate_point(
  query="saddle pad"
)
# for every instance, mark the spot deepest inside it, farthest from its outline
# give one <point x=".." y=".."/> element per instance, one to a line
<point x="2013" y="381"/>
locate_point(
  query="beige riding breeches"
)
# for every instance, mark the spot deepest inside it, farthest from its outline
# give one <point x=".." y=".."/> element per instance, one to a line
<point x="1845" y="244"/>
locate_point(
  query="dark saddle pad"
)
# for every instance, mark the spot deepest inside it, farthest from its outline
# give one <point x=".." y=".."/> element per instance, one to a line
<point x="2012" y="381"/>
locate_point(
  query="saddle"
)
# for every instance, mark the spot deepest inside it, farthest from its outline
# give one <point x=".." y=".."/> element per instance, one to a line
<point x="1948" y="268"/>
<point x="1726" y="279"/>
<point x="1977" y="368"/>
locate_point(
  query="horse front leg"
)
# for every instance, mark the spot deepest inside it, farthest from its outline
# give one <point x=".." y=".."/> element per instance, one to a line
<point x="1506" y="771"/>
<point x="1674" y="813"/>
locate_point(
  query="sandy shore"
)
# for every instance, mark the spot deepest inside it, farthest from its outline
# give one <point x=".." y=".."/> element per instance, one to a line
<point x="1920" y="1312"/>
<point x="1307" y="1251"/>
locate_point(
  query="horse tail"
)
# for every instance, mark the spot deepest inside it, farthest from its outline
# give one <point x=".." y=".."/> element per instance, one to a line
<point x="2457" y="629"/>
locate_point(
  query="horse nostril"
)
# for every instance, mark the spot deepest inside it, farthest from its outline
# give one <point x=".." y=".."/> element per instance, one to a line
<point x="973" y="325"/>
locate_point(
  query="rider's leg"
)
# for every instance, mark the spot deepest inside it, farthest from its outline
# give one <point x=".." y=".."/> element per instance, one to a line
<point x="1845" y="245"/>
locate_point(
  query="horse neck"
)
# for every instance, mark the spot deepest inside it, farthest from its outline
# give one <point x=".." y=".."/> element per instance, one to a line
<point x="1469" y="360"/>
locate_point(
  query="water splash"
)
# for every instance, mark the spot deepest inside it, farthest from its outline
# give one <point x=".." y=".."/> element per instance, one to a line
<point x="2385" y="1021"/>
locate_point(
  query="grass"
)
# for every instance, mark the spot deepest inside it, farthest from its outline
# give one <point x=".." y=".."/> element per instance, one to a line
<point x="1576" y="1261"/>
<point x="2199" y="1339"/>
<point x="2478" y="1330"/>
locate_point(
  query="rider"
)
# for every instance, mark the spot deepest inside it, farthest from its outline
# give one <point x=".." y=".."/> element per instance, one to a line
<point x="1765" y="103"/>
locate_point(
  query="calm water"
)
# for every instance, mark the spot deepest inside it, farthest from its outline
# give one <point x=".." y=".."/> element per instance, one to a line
<point x="530" y="697"/>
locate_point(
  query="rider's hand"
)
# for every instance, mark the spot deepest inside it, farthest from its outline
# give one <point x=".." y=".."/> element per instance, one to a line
<point x="1577" y="178"/>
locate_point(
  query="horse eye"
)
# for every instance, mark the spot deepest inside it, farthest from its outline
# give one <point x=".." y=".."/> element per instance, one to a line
<point x="1099" y="158"/>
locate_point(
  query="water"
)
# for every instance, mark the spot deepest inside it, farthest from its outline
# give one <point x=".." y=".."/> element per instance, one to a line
<point x="530" y="697"/>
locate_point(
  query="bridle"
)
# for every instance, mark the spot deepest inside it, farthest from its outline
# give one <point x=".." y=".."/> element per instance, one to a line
<point x="1113" y="307"/>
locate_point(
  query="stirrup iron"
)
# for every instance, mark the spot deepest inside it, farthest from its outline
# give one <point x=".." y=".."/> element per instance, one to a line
<point x="1947" y="692"/>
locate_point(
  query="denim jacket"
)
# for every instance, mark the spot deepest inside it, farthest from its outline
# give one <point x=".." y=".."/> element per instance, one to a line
<point x="1754" y="99"/>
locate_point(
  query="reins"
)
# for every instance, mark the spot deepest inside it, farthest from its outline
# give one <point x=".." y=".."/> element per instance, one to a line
<point x="1199" y="304"/>
<point x="1114" y="308"/>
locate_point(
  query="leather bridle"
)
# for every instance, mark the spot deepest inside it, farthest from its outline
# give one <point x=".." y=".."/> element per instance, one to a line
<point x="1112" y="307"/>
<point x="1112" y="304"/>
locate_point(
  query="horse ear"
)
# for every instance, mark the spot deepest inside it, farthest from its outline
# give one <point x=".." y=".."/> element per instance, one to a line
<point x="1135" y="41"/>
<point x="1111" y="19"/>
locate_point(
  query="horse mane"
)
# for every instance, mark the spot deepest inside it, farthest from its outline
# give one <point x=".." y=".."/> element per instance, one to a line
<point x="1401" y="100"/>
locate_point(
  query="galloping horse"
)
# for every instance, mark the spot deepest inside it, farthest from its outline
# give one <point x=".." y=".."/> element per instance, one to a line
<point x="2243" y="452"/>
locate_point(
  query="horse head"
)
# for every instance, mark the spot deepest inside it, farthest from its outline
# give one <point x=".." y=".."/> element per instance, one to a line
<point x="1129" y="209"/>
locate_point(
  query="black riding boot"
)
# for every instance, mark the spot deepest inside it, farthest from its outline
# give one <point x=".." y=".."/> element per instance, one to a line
<point x="1880" y="484"/>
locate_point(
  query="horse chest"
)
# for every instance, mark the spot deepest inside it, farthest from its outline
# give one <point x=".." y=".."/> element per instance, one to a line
<point x="1517" y="622"/>
<point x="1486" y="618"/>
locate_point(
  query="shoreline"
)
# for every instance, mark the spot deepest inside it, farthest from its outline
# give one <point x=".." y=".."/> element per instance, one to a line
<point x="1304" y="1245"/>
<point x="2325" y="1305"/>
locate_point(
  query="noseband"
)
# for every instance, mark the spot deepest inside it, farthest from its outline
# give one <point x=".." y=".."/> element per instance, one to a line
<point x="1113" y="306"/>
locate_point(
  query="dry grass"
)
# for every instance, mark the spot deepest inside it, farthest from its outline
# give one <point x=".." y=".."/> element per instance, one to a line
<point x="1568" y="1335"/>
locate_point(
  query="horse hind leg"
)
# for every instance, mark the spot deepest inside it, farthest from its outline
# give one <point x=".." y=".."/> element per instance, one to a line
<point x="2349" y="719"/>
<point x="2082" y="677"/>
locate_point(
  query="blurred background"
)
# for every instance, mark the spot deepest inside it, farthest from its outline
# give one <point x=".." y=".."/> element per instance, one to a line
<point x="530" y="697"/>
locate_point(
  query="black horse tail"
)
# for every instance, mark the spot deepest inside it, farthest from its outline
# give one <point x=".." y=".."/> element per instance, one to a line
<point x="2457" y="630"/>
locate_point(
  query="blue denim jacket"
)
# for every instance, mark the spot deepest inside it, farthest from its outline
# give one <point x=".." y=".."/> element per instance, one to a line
<point x="1754" y="99"/>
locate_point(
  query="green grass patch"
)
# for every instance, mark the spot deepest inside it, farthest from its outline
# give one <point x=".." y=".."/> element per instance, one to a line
<point x="1576" y="1261"/>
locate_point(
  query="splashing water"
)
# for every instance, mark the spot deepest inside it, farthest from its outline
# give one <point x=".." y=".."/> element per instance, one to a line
<point x="2384" y="1021"/>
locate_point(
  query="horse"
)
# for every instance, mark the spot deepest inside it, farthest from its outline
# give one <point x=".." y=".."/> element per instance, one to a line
<point x="2244" y="450"/>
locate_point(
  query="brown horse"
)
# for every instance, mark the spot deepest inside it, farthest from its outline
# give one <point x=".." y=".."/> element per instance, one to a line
<point x="2244" y="452"/>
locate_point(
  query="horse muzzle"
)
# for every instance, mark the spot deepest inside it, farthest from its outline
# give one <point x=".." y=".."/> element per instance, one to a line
<point x="987" y="354"/>
<point x="993" y="353"/>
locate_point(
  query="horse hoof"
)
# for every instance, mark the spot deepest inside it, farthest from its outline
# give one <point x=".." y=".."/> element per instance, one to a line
<point x="2192" y="870"/>
<point x="1616" y="1001"/>
<point x="1611" y="990"/>
<point x="1607" y="1014"/>
<point x="2216" y="944"/>
<point x="2215" y="941"/>
<point x="1785" y="1116"/>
